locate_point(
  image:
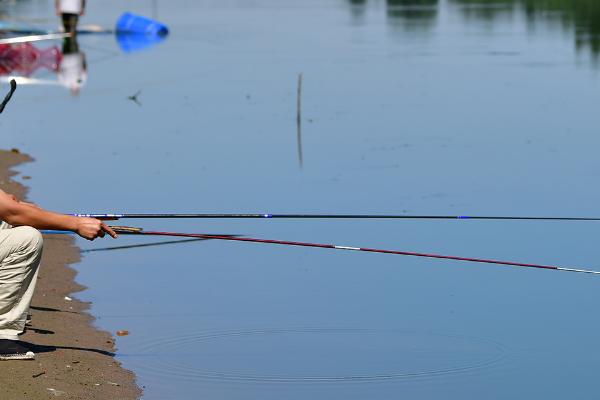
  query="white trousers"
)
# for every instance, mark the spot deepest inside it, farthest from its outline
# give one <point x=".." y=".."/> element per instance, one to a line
<point x="20" y="254"/>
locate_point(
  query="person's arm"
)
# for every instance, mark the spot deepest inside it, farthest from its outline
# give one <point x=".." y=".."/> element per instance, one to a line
<point x="57" y="7"/>
<point x="82" y="7"/>
<point x="17" y="213"/>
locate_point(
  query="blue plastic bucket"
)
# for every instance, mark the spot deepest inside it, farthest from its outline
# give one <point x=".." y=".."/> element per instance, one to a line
<point x="131" y="23"/>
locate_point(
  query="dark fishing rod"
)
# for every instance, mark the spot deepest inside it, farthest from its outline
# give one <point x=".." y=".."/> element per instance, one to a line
<point x="13" y="87"/>
<point x="329" y="216"/>
<point x="140" y="231"/>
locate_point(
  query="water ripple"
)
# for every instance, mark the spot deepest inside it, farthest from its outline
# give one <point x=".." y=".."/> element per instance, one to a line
<point x="264" y="355"/>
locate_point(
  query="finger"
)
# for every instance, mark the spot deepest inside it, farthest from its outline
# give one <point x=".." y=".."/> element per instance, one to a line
<point x="108" y="230"/>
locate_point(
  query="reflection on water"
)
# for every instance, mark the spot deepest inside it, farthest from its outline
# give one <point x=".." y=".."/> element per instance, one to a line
<point x="406" y="15"/>
<point x="25" y="62"/>
<point x="412" y="15"/>
<point x="72" y="72"/>
<point x="25" y="59"/>
<point x="29" y="63"/>
<point x="579" y="17"/>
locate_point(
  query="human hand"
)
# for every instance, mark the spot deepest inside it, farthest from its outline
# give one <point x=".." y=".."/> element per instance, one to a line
<point x="92" y="228"/>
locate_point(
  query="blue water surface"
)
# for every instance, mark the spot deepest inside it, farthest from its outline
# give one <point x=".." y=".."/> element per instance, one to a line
<point x="417" y="107"/>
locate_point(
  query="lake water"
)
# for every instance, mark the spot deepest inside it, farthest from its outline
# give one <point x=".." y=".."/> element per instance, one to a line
<point x="422" y="107"/>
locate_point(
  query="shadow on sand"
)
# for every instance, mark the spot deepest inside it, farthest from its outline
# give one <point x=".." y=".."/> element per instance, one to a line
<point x="39" y="349"/>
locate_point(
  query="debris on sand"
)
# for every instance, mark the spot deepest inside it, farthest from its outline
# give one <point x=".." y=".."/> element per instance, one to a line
<point x="56" y="392"/>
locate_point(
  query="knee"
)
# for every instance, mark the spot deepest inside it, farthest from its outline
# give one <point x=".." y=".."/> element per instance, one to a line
<point x="31" y="238"/>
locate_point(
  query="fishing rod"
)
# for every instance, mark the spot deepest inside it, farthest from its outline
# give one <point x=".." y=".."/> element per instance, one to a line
<point x="13" y="87"/>
<point x="140" y="231"/>
<point x="35" y="38"/>
<point x="114" y="217"/>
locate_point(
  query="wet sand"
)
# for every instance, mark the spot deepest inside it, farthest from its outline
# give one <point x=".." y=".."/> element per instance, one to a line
<point x="73" y="359"/>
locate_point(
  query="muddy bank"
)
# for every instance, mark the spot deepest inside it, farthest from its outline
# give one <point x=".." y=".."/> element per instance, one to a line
<point x="73" y="359"/>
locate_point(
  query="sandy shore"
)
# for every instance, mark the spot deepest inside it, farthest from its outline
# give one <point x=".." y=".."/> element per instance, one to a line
<point x="73" y="359"/>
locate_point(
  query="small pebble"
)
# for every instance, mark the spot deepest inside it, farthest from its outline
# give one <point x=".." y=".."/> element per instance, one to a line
<point x="56" y="392"/>
<point x="67" y="298"/>
<point x="122" y="333"/>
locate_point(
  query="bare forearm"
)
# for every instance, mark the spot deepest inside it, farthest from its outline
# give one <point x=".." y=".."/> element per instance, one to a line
<point x="18" y="213"/>
<point x="41" y="219"/>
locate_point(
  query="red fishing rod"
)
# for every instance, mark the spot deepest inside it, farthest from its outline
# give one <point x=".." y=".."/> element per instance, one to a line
<point x="140" y="231"/>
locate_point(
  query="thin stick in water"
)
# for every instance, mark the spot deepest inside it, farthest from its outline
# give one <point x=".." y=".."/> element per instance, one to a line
<point x="299" y="119"/>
